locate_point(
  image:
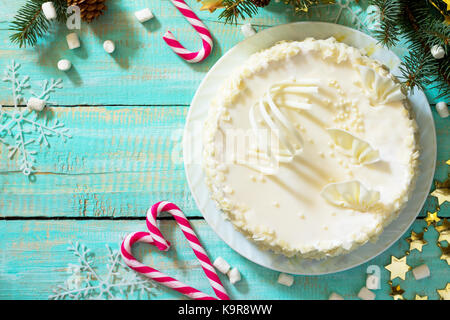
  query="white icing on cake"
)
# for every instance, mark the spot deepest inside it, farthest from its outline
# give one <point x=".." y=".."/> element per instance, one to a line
<point x="339" y="158"/>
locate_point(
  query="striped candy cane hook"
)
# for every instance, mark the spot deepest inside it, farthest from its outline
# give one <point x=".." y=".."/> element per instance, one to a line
<point x="155" y="238"/>
<point x="177" y="47"/>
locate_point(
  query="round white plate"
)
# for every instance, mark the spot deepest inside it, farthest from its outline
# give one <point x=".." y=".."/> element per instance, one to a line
<point x="192" y="150"/>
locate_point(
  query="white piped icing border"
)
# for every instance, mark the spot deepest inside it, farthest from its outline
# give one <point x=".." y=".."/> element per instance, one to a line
<point x="214" y="171"/>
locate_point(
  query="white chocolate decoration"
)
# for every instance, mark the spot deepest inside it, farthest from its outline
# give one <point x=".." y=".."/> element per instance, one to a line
<point x="143" y="15"/>
<point x="285" y="279"/>
<point x="381" y="89"/>
<point x="421" y="272"/>
<point x="366" y="294"/>
<point x="351" y="194"/>
<point x="361" y="151"/>
<point x="317" y="164"/>
<point x="221" y="265"/>
<point x="234" y="275"/>
<point x="335" y="296"/>
<point x="36" y="104"/>
<point x="49" y="11"/>
<point x="73" y="41"/>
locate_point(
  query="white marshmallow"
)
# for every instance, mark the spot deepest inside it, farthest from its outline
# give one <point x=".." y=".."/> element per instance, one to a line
<point x="285" y="279"/>
<point x="442" y="109"/>
<point x="421" y="272"/>
<point x="437" y="52"/>
<point x="36" y="104"/>
<point x="372" y="282"/>
<point x="234" y="275"/>
<point x="143" y="15"/>
<point x="64" y="65"/>
<point x="335" y="296"/>
<point x="221" y="265"/>
<point x="247" y="30"/>
<point x="366" y="294"/>
<point x="109" y="46"/>
<point x="49" y="11"/>
<point x="72" y="41"/>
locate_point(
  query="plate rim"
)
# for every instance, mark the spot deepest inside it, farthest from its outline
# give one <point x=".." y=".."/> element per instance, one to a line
<point x="187" y="170"/>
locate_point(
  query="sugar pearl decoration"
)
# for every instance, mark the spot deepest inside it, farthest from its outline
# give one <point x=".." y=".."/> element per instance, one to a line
<point x="143" y="15"/>
<point x="221" y="265"/>
<point x="64" y="65"/>
<point x="36" y="104"/>
<point x="247" y="30"/>
<point x="286" y="279"/>
<point x="72" y="41"/>
<point x="437" y="52"/>
<point x="372" y="282"/>
<point x="234" y="275"/>
<point x="109" y="46"/>
<point x="366" y="294"/>
<point x="421" y="272"/>
<point x="442" y="109"/>
<point x="335" y="296"/>
<point x="49" y="11"/>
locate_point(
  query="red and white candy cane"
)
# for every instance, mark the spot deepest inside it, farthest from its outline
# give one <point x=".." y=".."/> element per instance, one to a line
<point x="198" y="25"/>
<point x="155" y="238"/>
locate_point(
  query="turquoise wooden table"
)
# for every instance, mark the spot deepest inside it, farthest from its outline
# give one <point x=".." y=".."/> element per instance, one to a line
<point x="126" y="112"/>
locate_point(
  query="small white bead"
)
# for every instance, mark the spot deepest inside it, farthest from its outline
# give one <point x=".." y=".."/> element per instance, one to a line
<point x="109" y="46"/>
<point x="234" y="275"/>
<point x="64" y="65"/>
<point x="286" y="279"/>
<point x="372" y="282"/>
<point x="72" y="41"/>
<point x="143" y="15"/>
<point x="247" y="30"/>
<point x="36" y="104"/>
<point x="442" y="109"/>
<point x="421" y="272"/>
<point x="221" y="265"/>
<point x="49" y="11"/>
<point x="366" y="294"/>
<point x="335" y="296"/>
<point x="437" y="52"/>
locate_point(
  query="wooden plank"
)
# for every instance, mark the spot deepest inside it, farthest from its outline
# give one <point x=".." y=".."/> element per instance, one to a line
<point x="35" y="258"/>
<point x="119" y="161"/>
<point x="143" y="67"/>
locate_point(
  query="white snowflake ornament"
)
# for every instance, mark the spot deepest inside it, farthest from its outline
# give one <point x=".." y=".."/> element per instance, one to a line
<point x="21" y="127"/>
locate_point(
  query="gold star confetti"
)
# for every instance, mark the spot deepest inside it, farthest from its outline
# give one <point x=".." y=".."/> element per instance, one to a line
<point x="448" y="162"/>
<point x="445" y="252"/>
<point x="416" y="241"/>
<point x="417" y="297"/>
<point x="397" y="292"/>
<point x="398" y="267"/>
<point x="442" y="191"/>
<point x="445" y="293"/>
<point x="432" y="218"/>
<point x="444" y="236"/>
<point x="444" y="226"/>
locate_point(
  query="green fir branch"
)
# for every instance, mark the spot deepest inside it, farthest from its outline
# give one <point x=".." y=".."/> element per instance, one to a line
<point x="30" y="24"/>
<point x="235" y="9"/>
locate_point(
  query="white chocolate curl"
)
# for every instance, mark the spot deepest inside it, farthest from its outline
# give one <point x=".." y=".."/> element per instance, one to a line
<point x="49" y="11"/>
<point x="221" y="265"/>
<point x="109" y="46"/>
<point x="143" y="15"/>
<point x="64" y="65"/>
<point x="366" y="294"/>
<point x="234" y="275"/>
<point x="285" y="279"/>
<point x="72" y="41"/>
<point x="421" y="272"/>
<point x="335" y="296"/>
<point x="36" y="104"/>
